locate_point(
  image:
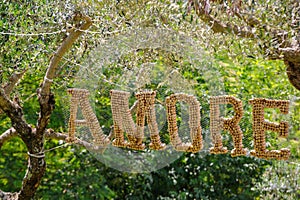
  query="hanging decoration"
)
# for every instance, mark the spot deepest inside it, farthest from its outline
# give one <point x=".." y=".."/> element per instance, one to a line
<point x="194" y="122"/>
<point x="145" y="112"/>
<point x="260" y="125"/>
<point x="217" y="124"/>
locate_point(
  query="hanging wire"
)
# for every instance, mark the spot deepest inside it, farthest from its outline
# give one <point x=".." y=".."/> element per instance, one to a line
<point x="100" y="76"/>
<point x="32" y="34"/>
<point x="57" y="32"/>
<point x="42" y="153"/>
<point x="57" y="147"/>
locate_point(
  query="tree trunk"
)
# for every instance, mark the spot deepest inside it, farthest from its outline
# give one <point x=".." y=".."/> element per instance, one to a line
<point x="34" y="138"/>
<point x="292" y="61"/>
<point x="36" y="165"/>
<point x="293" y="72"/>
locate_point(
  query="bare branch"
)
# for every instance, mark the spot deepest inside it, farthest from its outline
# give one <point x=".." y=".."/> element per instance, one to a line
<point x="291" y="54"/>
<point x="7" y="135"/>
<point x="15" y="113"/>
<point x="46" y="99"/>
<point x="65" y="46"/>
<point x="13" y="80"/>
<point x="218" y="27"/>
<point x="5" y="104"/>
<point x="51" y="134"/>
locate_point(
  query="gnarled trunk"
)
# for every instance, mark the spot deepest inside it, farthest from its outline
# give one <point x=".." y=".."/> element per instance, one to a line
<point x="36" y="165"/>
<point x="293" y="72"/>
<point x="292" y="61"/>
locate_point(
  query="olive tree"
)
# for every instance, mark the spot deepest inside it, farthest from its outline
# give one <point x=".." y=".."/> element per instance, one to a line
<point x="273" y="25"/>
<point x="34" y="137"/>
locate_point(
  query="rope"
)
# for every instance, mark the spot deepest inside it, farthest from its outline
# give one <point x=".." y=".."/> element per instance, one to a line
<point x="42" y="153"/>
<point x="49" y="80"/>
<point x="98" y="32"/>
<point x="57" y="147"/>
<point x="38" y="155"/>
<point x="100" y="76"/>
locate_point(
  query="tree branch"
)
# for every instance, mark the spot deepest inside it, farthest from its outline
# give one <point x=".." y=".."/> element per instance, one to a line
<point x="9" y="86"/>
<point x="291" y="54"/>
<point x="5" y="104"/>
<point x="7" y="135"/>
<point x="65" y="46"/>
<point x="218" y="27"/>
<point x="51" y="134"/>
<point x="46" y="99"/>
<point x="13" y="80"/>
<point x="276" y="42"/>
<point x="277" y="38"/>
<point x="15" y="113"/>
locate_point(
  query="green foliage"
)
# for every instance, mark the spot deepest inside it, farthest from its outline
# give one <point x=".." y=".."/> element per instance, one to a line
<point x="280" y="181"/>
<point x="73" y="174"/>
<point x="198" y="177"/>
<point x="13" y="164"/>
<point x="76" y="174"/>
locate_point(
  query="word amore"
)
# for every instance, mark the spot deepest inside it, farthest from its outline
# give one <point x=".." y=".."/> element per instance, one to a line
<point x="145" y="110"/>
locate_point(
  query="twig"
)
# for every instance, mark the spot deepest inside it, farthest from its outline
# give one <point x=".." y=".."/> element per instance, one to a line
<point x="51" y="134"/>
